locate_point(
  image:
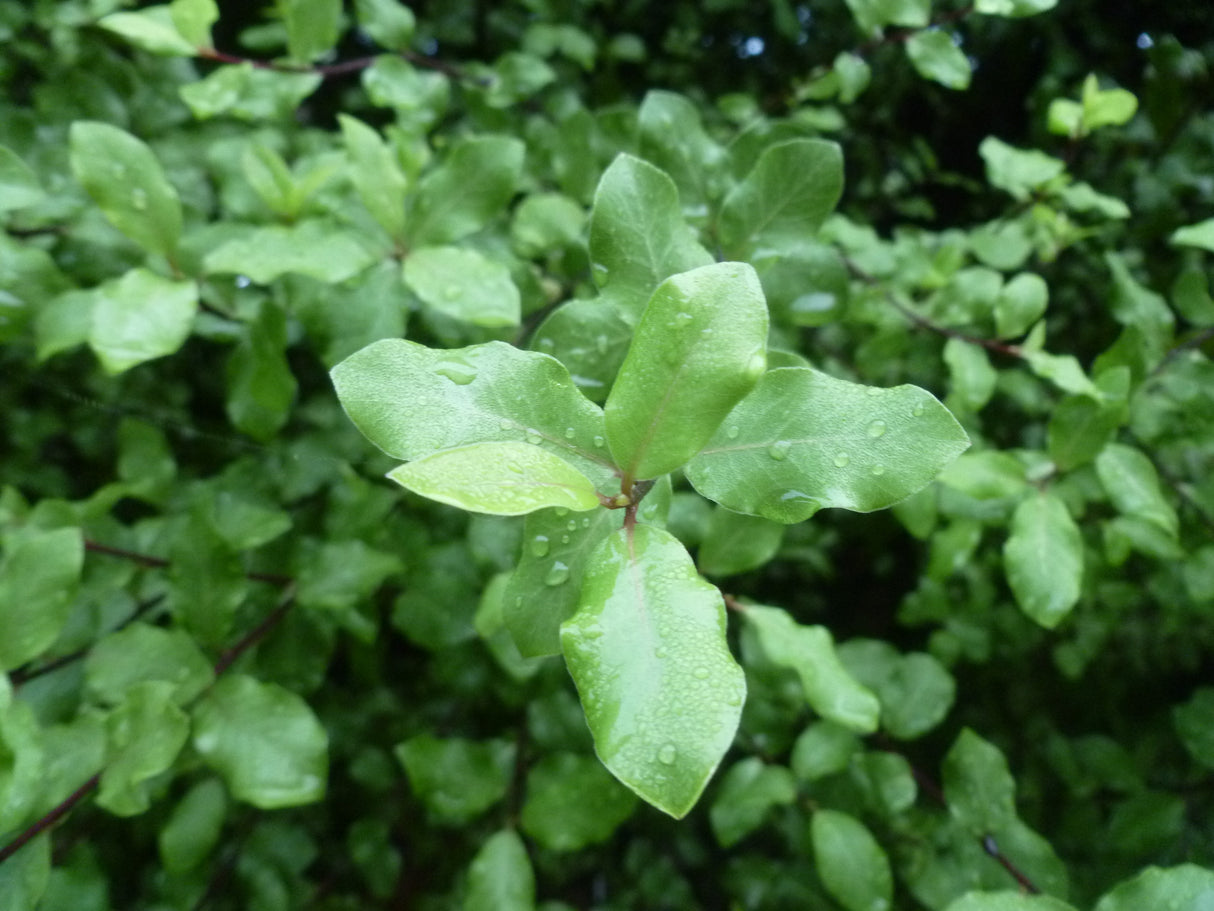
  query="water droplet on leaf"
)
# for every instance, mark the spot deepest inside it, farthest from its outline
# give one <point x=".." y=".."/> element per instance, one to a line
<point x="700" y="673"/>
<point x="139" y="198"/>
<point x="779" y="450"/>
<point x="732" y="432"/>
<point x="756" y="365"/>
<point x="459" y="372"/>
<point x="539" y="546"/>
<point x="877" y="470"/>
<point x="842" y="460"/>
<point x="570" y="433"/>
<point x="668" y="754"/>
<point x="917" y="411"/>
<point x="533" y="436"/>
<point x="558" y="575"/>
<point x="876" y="429"/>
<point x="599" y="441"/>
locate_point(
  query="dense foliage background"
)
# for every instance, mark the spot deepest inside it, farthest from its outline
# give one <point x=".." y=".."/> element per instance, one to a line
<point x="241" y="670"/>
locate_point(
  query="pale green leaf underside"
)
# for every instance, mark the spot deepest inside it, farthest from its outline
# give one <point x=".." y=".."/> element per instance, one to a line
<point x="411" y="401"/>
<point x="700" y="346"/>
<point x="1043" y="559"/>
<point x="802" y="441"/>
<point x="661" y="692"/>
<point x="502" y="479"/>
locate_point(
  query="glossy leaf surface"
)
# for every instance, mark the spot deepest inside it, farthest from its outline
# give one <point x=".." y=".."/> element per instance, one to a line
<point x="144" y="734"/>
<point x="264" y="740"/>
<point x="503" y="479"/>
<point x="661" y="692"/>
<point x="463" y="284"/>
<point x="851" y="862"/>
<point x="1043" y="559"/>
<point x="637" y="234"/>
<point x="1181" y="886"/>
<point x="803" y="440"/>
<point x="700" y="346"/>
<point x="140" y="317"/>
<point x="143" y="653"/>
<point x="39" y="573"/>
<point x="809" y="651"/>
<point x="411" y="401"/>
<point x="471" y="186"/>
<point x="500" y="877"/>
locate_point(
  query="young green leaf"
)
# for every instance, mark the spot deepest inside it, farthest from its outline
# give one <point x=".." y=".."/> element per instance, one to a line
<point x="647" y="650"/>
<point x="802" y="441"/>
<point x="851" y="863"/>
<point x="637" y="234"/>
<point x="376" y="174"/>
<point x="591" y="338"/>
<point x="500" y="877"/>
<point x="264" y="740"/>
<point x="317" y="247"/>
<point x="672" y="136"/>
<point x="388" y="22"/>
<point x="193" y="19"/>
<point x="1132" y="484"/>
<point x="468" y="189"/>
<point x="313" y="27"/>
<point x="977" y="784"/>
<point x="140" y="317"/>
<point x="126" y="181"/>
<point x="502" y="479"/>
<point x="809" y="651"/>
<point x="411" y="401"/>
<point x="144" y="734"/>
<point x="1043" y="559"/>
<point x="1185" y="886"/>
<point x="935" y="56"/>
<point x="140" y="653"/>
<point x="747" y="793"/>
<point x="700" y="347"/>
<point x="261" y="386"/>
<point x="734" y="543"/>
<point x="784" y="199"/>
<point x="152" y="30"/>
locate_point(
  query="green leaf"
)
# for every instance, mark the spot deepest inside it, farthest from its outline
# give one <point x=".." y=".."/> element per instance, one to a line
<point x="637" y="234"/>
<point x="747" y="792"/>
<point x="502" y="479"/>
<point x="265" y="742"/>
<point x="1021" y="302"/>
<point x="1079" y="429"/>
<point x="1130" y="479"/>
<point x="152" y="30"/>
<point x="457" y="779"/>
<point x="337" y="575"/>
<point x="1106" y="108"/>
<point x="374" y="171"/>
<point x="144" y="734"/>
<point x="784" y="199"/>
<point x="412" y="401"/>
<point x="809" y="651"/>
<point x="19" y="185"/>
<point x="193" y="19"/>
<point x="1185" y="886"/>
<point x="647" y="650"/>
<point x="977" y="785"/>
<point x="1200" y="235"/>
<point x="24" y="876"/>
<point x="141" y="653"/>
<point x="471" y="187"/>
<point x="988" y="475"/>
<point x="591" y="338"/>
<point x="572" y="802"/>
<point x="317" y="248"/>
<point x="700" y="346"/>
<point x="206" y="582"/>
<point x="851" y="863"/>
<point x="872" y="14"/>
<point x="261" y="386"/>
<point x="38" y="578"/>
<point x="936" y="56"/>
<point x="25" y="779"/>
<point x="1017" y="171"/>
<point x="465" y="285"/>
<point x="1014" y="8"/>
<point x="126" y="181"/>
<point x="824" y="748"/>
<point x="313" y="27"/>
<point x="193" y="829"/>
<point x="1043" y="559"/>
<point x="1194" y="722"/>
<point x="802" y="441"/>
<point x="1008" y="901"/>
<point x="500" y="877"/>
<point x="672" y="137"/>
<point x="389" y="23"/>
<point x="545" y="222"/>
<point x="1191" y="295"/>
<point x="140" y="317"/>
<point x="915" y="690"/>
<point x="735" y="543"/>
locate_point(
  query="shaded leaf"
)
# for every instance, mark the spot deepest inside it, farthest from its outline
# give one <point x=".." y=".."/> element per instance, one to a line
<point x="469" y="188"/>
<point x="500" y="877"/>
<point x="1043" y="559"/>
<point x="748" y="791"/>
<point x="38" y="578"/>
<point x="457" y="779"/>
<point x="572" y="802"/>
<point x="144" y="734"/>
<point x="853" y="866"/>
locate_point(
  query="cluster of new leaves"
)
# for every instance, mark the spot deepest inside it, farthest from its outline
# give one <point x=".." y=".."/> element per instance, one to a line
<point x="639" y="338"/>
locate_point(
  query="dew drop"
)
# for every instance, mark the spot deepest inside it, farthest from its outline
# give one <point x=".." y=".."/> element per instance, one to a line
<point x="732" y="432"/>
<point x="876" y="429"/>
<point x="546" y="344"/>
<point x="586" y="523"/>
<point x="539" y="546"/>
<point x="564" y="539"/>
<point x="874" y="390"/>
<point x="877" y="470"/>
<point x="139" y="198"/>
<point x="600" y="342"/>
<point x="917" y="411"/>
<point x="571" y="525"/>
<point x="560" y="512"/>
<point x="506" y="424"/>
<point x="842" y="460"/>
<point x="599" y="441"/>
<point x="558" y="575"/>
<point x="668" y="754"/>
<point x="570" y="433"/>
<point x="660" y="652"/>
<point x="756" y="365"/>
<point x="458" y="372"/>
<point x="779" y="450"/>
<point x="533" y="436"/>
<point x="700" y="673"/>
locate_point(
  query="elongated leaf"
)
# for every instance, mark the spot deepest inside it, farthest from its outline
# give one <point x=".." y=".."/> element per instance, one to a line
<point x="151" y="30"/>
<point x="143" y="737"/>
<point x="853" y="866"/>
<point x="38" y="578"/>
<point x="411" y="401"/>
<point x="1132" y="483"/>
<point x="375" y="173"/>
<point x="502" y="479"/>
<point x="672" y="137"/>
<point x="466" y="191"/>
<point x="803" y="440"/>
<point x="1043" y="559"/>
<point x="193" y="830"/>
<point x="809" y="651"/>
<point x="500" y="877"/>
<point x="647" y="650"/>
<point x="464" y="284"/>
<point x="785" y="197"/>
<point x="264" y="740"/>
<point x="126" y="181"/>
<point x="261" y="386"/>
<point x="700" y="347"/>
<point x="637" y="234"/>
<point x="1200" y="235"/>
<point x="1185" y="886"/>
